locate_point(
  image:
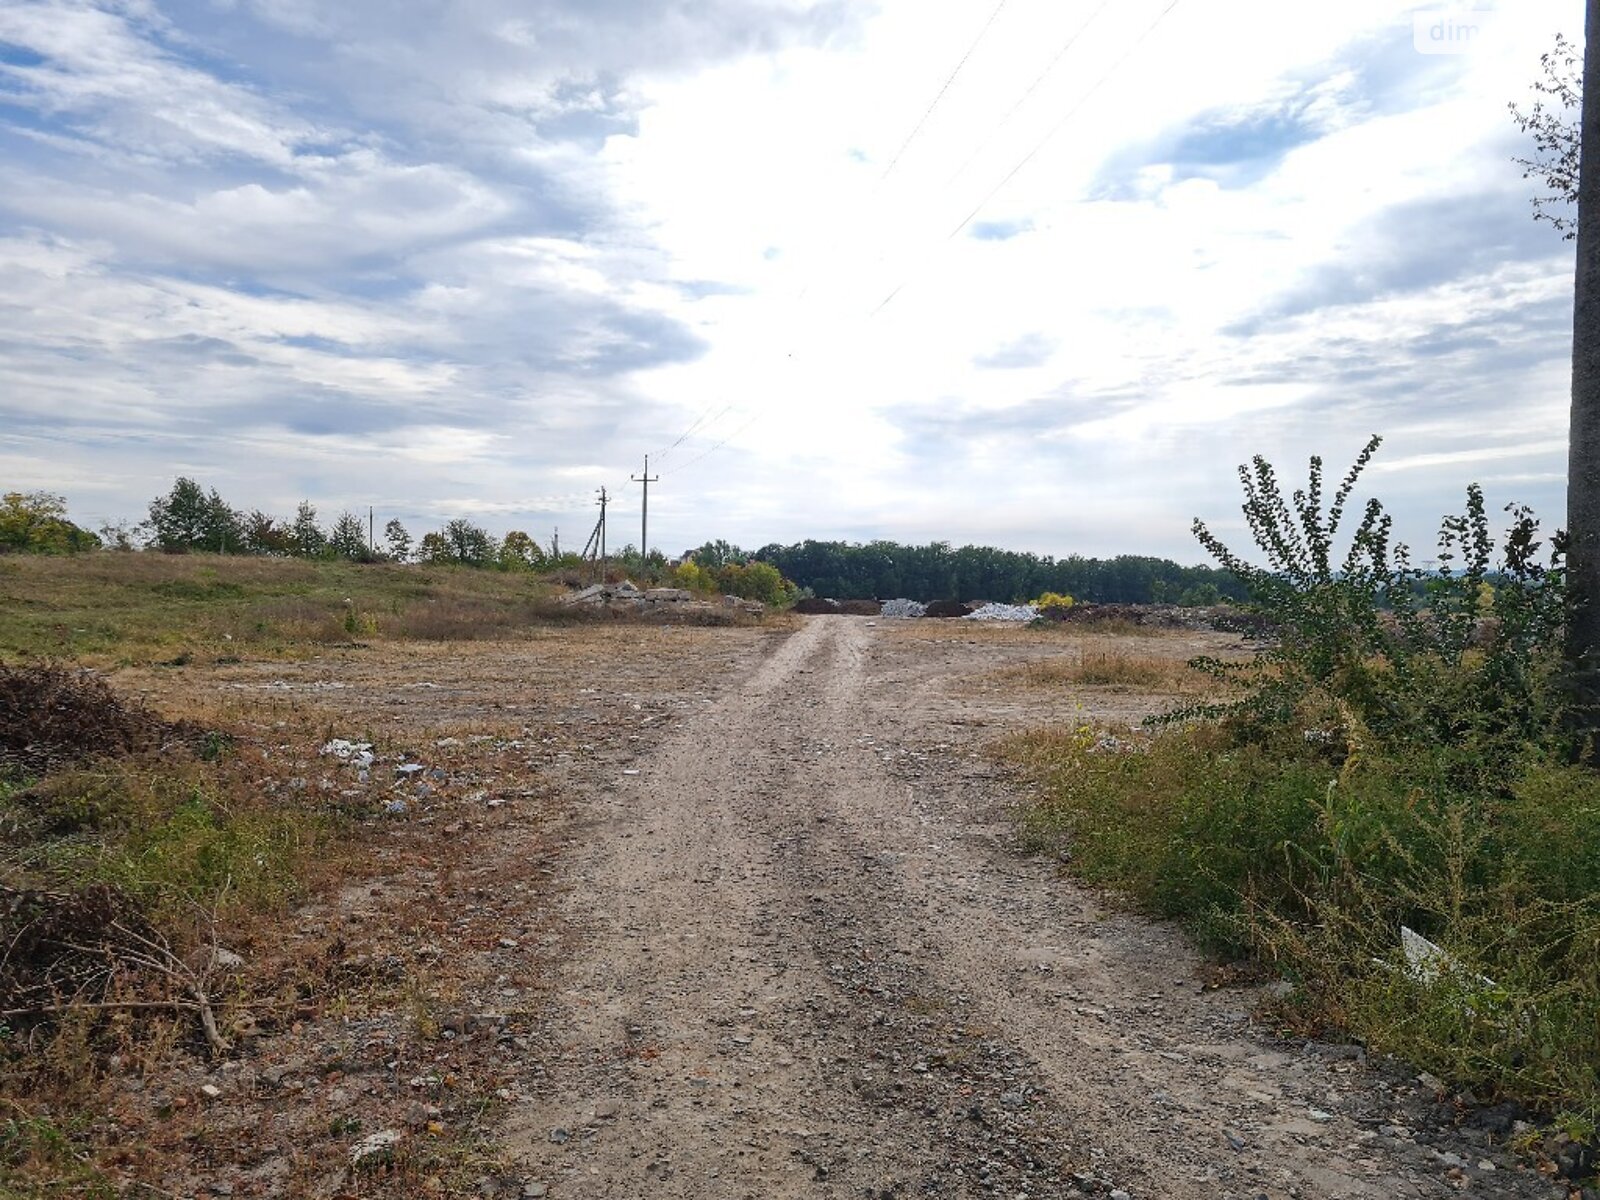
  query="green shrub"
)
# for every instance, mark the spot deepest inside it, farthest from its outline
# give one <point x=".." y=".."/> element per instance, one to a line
<point x="1394" y="761"/>
<point x="1409" y="657"/>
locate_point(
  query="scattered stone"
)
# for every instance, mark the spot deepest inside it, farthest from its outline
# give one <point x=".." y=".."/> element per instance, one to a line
<point x="560" y="1136"/>
<point x="533" y="1190"/>
<point x="223" y="959"/>
<point x="375" y="1148"/>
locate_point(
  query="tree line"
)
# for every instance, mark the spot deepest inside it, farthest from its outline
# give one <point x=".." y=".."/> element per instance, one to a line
<point x="189" y="518"/>
<point x="938" y="571"/>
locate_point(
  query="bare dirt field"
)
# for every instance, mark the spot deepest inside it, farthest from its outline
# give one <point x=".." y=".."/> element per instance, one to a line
<point x="738" y="912"/>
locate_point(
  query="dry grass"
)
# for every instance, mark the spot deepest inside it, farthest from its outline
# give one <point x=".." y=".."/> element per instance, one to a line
<point x="121" y="609"/>
<point x="283" y="855"/>
<point x="1111" y="669"/>
<point x="1034" y="633"/>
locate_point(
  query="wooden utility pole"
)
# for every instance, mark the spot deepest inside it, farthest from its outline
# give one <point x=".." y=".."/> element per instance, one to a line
<point x="603" y="499"/>
<point x="644" y="520"/>
<point x="1583" y="454"/>
<point x="372" y="537"/>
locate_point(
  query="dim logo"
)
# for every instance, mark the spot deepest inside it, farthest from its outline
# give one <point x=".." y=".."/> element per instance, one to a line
<point x="1449" y="30"/>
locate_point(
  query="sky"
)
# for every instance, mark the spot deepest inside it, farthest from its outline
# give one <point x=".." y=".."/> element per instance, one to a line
<point x="1037" y="273"/>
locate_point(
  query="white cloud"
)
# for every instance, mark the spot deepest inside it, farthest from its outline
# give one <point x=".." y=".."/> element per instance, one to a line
<point x="295" y="245"/>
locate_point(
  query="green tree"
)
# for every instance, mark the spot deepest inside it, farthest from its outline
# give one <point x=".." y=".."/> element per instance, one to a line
<point x="265" y="534"/>
<point x="36" y="523"/>
<point x="222" y="526"/>
<point x="468" y="544"/>
<point x="305" y="536"/>
<point x="1554" y="124"/>
<point x="348" y="538"/>
<point x="398" y="540"/>
<point x="755" y="581"/>
<point x="715" y="555"/>
<point x="519" y="552"/>
<point x="435" y="550"/>
<point x="180" y="520"/>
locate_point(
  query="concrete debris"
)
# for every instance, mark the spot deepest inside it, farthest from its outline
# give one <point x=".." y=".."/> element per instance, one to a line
<point x="1426" y="961"/>
<point x="1004" y="612"/>
<point x="627" y="594"/>
<point x="902" y="609"/>
<point x="357" y="754"/>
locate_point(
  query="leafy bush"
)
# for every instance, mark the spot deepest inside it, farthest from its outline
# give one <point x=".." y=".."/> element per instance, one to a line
<point x="1394" y="759"/>
<point x="1399" y="656"/>
<point x="36" y="523"/>
<point x="1053" y="600"/>
<point x="756" y="581"/>
<point x="696" y="578"/>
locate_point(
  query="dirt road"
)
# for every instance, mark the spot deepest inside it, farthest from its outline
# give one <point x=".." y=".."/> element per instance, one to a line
<point x="807" y="962"/>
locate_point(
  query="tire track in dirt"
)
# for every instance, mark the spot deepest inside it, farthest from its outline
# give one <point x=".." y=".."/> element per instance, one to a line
<point x="798" y="975"/>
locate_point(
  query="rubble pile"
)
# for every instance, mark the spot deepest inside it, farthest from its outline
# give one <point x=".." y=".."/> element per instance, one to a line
<point x="1003" y="612"/>
<point x="902" y="609"/>
<point x="627" y="596"/>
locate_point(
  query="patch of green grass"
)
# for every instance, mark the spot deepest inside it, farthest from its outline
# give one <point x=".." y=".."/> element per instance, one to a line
<point x="39" y="1159"/>
<point x="1312" y="856"/>
<point x="177" y="837"/>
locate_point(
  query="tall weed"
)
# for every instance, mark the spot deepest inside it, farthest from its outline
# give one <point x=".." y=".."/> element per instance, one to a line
<point x="1393" y="760"/>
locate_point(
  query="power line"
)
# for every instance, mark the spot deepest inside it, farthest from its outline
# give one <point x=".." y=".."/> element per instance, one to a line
<point x="1041" y="143"/>
<point x="1067" y="116"/>
<point x="1011" y="174"/>
<point x="682" y="437"/>
<point x="1029" y="90"/>
<point x="928" y="112"/>
<point x="754" y="417"/>
<point x="893" y="161"/>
